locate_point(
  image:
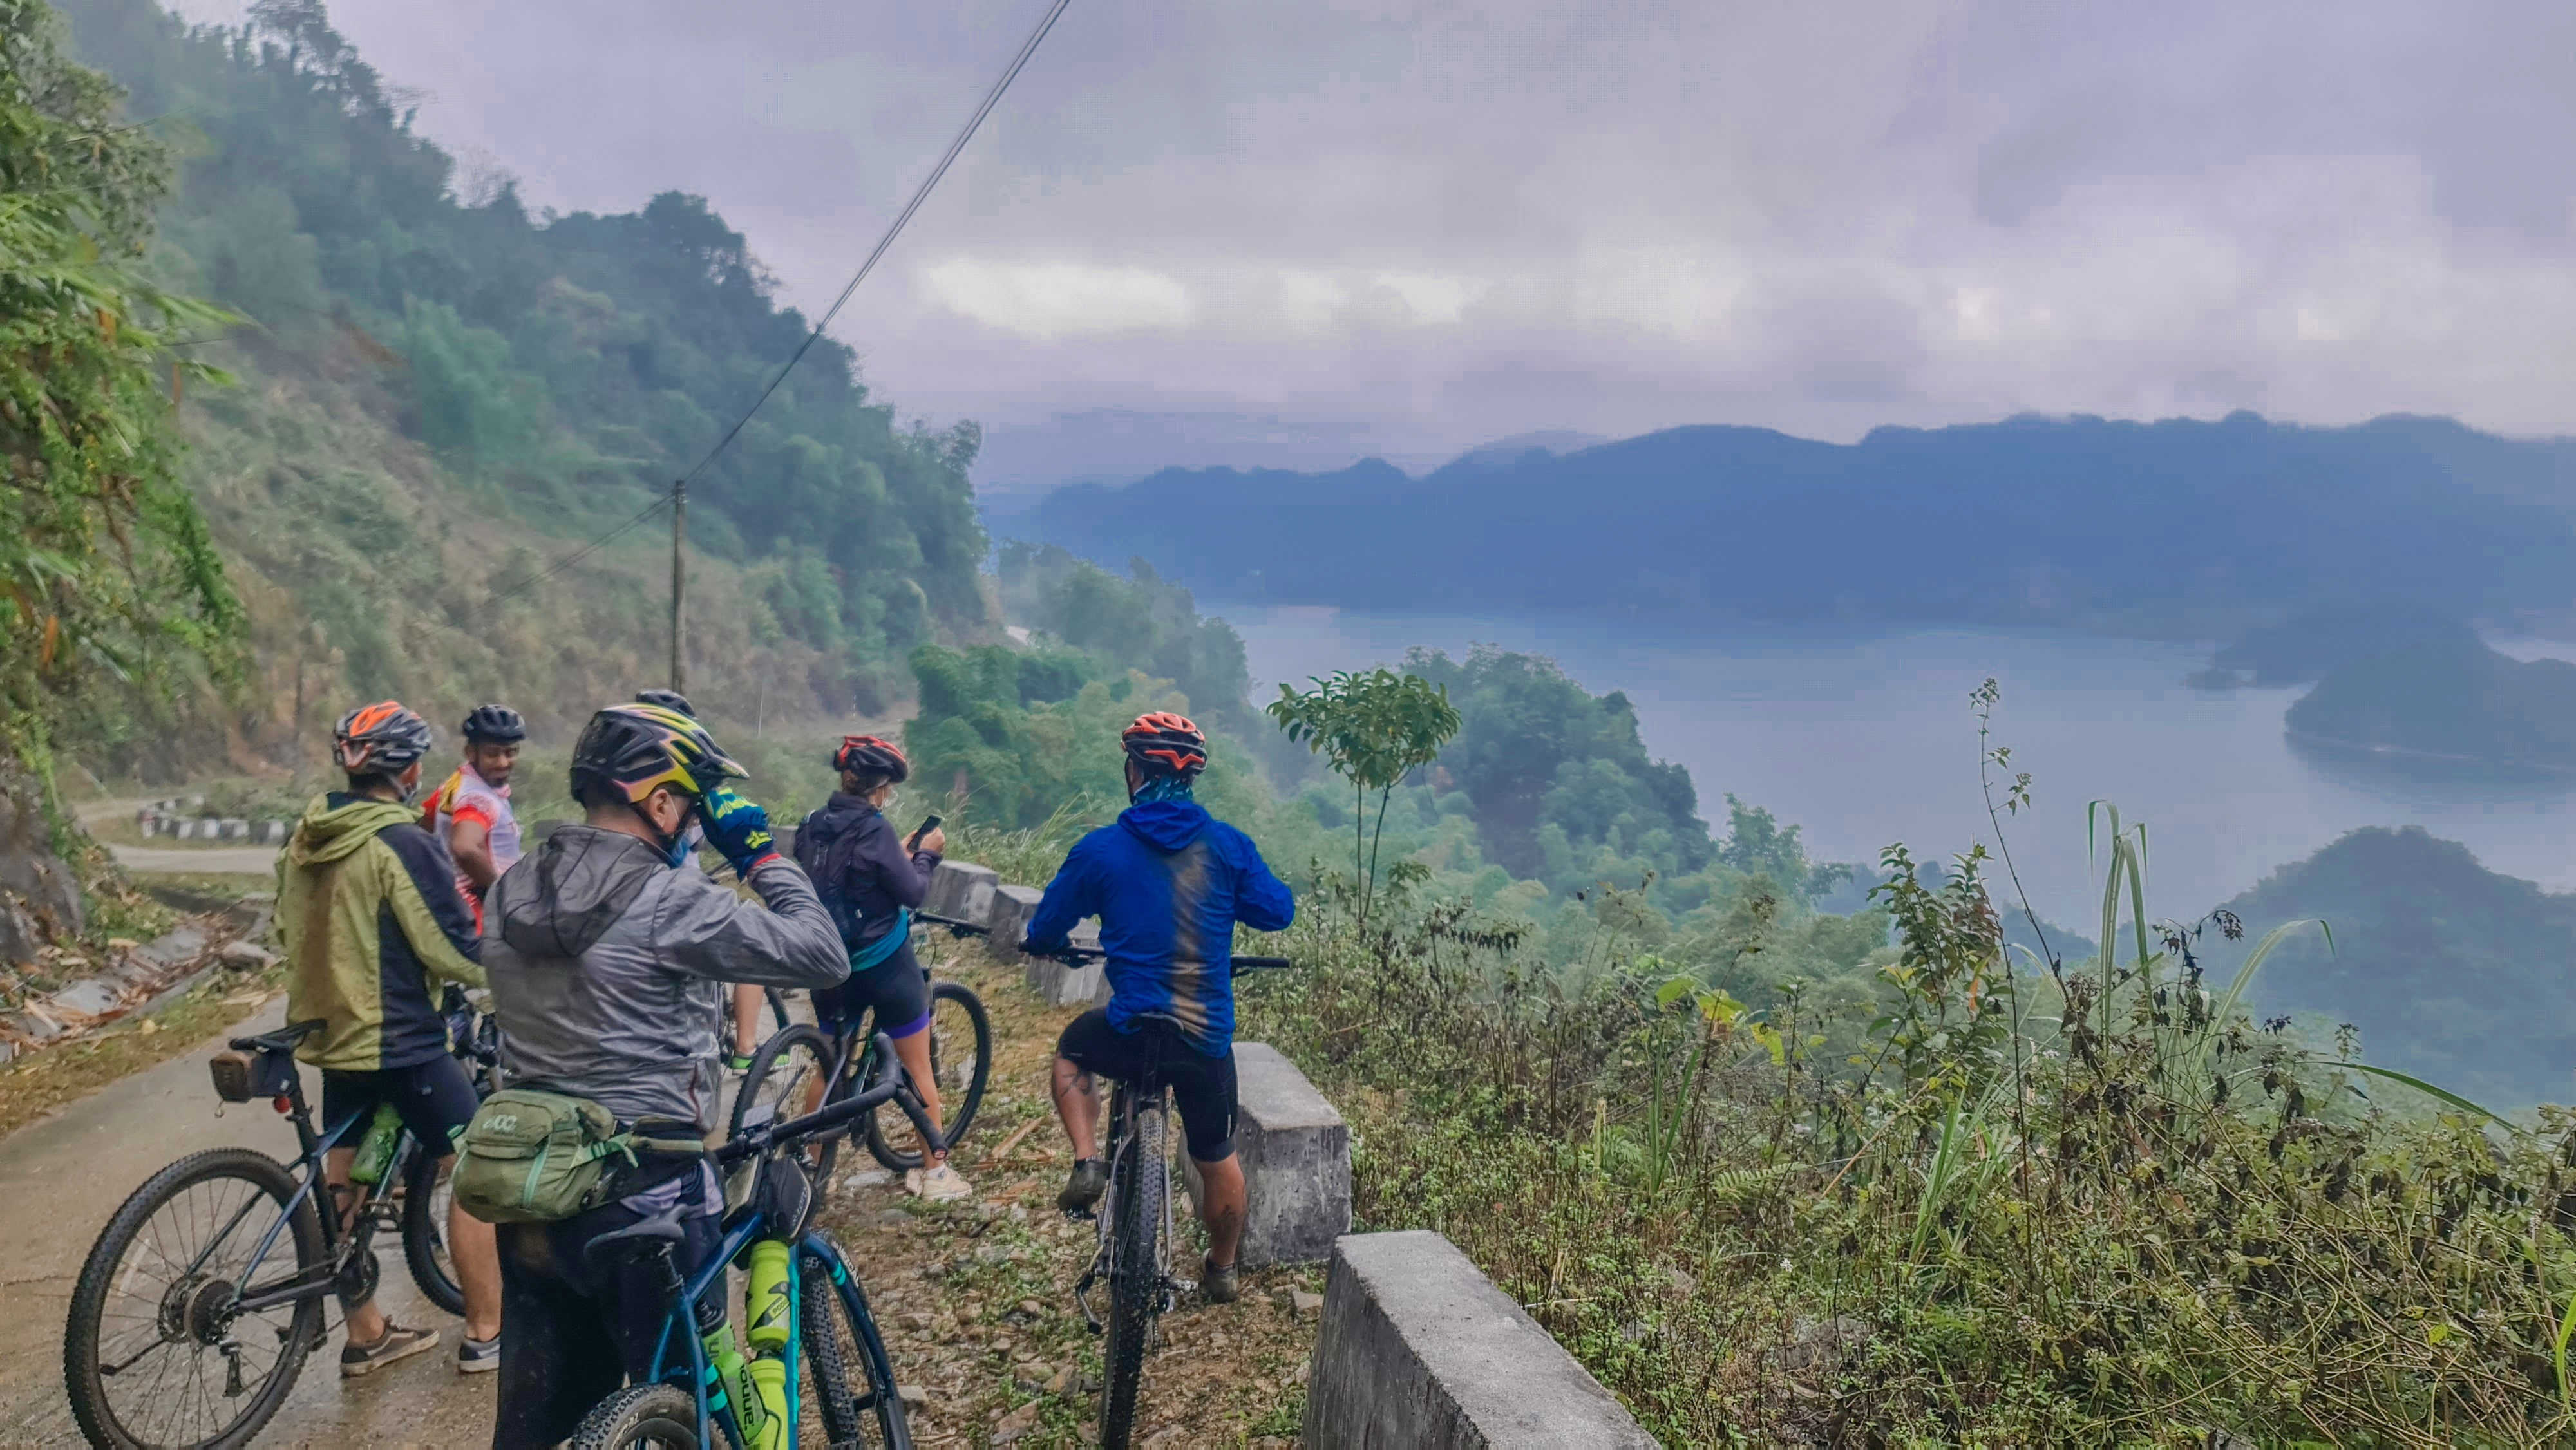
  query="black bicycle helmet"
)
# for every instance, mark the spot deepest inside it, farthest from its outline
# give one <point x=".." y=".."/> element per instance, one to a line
<point x="495" y="725"/>
<point x="638" y="747"/>
<point x="867" y="755"/>
<point x="668" y="700"/>
<point x="385" y="738"/>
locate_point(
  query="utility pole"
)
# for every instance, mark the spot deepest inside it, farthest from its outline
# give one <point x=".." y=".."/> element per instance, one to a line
<point x="679" y="581"/>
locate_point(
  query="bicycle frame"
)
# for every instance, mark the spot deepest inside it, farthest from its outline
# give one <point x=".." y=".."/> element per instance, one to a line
<point x="716" y="1409"/>
<point x="335" y="1235"/>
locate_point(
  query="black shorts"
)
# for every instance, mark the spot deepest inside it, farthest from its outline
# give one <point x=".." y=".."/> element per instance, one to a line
<point x="895" y="988"/>
<point x="436" y="1100"/>
<point x="1201" y="1085"/>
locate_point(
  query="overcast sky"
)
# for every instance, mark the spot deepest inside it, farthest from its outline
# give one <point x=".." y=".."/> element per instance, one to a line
<point x="1241" y="232"/>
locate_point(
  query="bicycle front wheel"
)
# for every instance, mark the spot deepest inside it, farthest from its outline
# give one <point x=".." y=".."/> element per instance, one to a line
<point x="1136" y="1192"/>
<point x="961" y="1062"/>
<point x="853" y="1399"/>
<point x="155" y="1353"/>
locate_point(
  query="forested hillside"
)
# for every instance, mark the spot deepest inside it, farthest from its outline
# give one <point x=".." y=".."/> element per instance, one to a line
<point x="2176" y="527"/>
<point x="440" y="394"/>
<point x="2452" y="972"/>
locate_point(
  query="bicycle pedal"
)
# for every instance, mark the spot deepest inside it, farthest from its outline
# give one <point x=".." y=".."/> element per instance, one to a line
<point x="1080" y="1215"/>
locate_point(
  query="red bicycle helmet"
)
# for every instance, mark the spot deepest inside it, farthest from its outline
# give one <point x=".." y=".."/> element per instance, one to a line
<point x="867" y="755"/>
<point x="1163" y="743"/>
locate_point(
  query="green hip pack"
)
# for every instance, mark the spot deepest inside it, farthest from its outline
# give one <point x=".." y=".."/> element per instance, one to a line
<point x="539" y="1157"/>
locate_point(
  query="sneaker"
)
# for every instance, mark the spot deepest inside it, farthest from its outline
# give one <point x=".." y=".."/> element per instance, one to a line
<point x="478" y="1356"/>
<point x="939" y="1184"/>
<point x="737" y="1062"/>
<point x="398" y="1343"/>
<point x="1219" y="1285"/>
<point x="1082" y="1191"/>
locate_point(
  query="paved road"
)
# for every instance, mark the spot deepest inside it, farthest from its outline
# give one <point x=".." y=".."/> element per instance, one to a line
<point x="60" y="1180"/>
<point x="219" y="860"/>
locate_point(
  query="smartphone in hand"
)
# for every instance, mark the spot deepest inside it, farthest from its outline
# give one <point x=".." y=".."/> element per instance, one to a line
<point x="913" y="842"/>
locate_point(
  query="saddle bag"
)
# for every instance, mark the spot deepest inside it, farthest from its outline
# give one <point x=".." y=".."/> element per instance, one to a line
<point x="247" y="1077"/>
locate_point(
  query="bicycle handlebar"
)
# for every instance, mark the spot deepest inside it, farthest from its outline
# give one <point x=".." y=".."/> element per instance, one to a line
<point x="890" y="1086"/>
<point x="1084" y="954"/>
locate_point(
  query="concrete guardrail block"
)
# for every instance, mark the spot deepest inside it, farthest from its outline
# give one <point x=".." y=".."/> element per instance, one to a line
<point x="1008" y="922"/>
<point x="1296" y="1156"/>
<point x="961" y="891"/>
<point x="1059" y="985"/>
<point x="1419" y="1349"/>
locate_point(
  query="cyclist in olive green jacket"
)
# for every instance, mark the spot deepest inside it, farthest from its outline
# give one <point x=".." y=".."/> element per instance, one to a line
<point x="368" y="909"/>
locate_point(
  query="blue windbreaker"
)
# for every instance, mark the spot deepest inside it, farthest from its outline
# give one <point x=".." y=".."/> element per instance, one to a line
<point x="1168" y="882"/>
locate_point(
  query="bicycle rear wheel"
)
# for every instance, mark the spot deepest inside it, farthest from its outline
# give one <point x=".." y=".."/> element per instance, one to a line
<point x="661" y="1417"/>
<point x="783" y="1075"/>
<point x="853" y="1400"/>
<point x="961" y="1061"/>
<point x="426" y="1196"/>
<point x="153" y="1353"/>
<point x="1137" y="1186"/>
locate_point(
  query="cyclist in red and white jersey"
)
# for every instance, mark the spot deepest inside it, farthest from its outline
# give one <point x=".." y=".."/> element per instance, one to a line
<point x="470" y="811"/>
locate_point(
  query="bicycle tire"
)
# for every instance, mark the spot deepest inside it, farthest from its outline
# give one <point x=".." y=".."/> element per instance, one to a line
<point x="762" y="1081"/>
<point x="838" y="1345"/>
<point x="105" y="1272"/>
<point x="1136" y="1192"/>
<point x="959" y="1106"/>
<point x="662" y="1416"/>
<point x="424" y="1233"/>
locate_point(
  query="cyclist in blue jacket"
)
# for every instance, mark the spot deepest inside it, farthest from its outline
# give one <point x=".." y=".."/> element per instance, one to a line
<point x="1168" y="882"/>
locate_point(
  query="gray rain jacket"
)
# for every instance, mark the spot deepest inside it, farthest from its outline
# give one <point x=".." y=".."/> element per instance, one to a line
<point x="606" y="968"/>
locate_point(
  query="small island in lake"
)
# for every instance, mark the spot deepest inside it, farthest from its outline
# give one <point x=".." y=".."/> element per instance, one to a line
<point x="2448" y="700"/>
<point x="2313" y="644"/>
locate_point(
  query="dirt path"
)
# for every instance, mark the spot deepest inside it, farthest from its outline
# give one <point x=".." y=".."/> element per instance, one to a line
<point x="976" y="1299"/>
<point x="64" y="1176"/>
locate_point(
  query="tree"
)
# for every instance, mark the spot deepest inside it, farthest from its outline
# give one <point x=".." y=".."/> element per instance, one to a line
<point x="1758" y="845"/>
<point x="106" y="570"/>
<point x="1374" y="729"/>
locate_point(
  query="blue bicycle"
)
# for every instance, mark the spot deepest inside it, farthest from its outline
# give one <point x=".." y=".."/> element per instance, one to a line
<point x="804" y="1306"/>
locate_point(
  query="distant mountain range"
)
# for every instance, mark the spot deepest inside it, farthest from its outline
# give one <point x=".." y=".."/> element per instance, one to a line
<point x="2178" y="527"/>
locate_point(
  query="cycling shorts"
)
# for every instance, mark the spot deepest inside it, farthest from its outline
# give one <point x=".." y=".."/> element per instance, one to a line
<point x="895" y="989"/>
<point x="1202" y="1086"/>
<point x="436" y="1100"/>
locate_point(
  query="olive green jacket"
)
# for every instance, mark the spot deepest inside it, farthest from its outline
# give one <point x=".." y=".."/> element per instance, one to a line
<point x="368" y="909"/>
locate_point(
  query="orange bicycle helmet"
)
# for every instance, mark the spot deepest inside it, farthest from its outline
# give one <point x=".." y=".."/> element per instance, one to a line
<point x="385" y="738"/>
<point x="1162" y="743"/>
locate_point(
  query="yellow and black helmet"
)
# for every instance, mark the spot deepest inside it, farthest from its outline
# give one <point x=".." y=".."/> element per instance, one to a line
<point x="636" y="748"/>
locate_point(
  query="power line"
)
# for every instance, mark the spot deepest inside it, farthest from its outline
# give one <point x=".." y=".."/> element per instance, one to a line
<point x="577" y="555"/>
<point x="679" y="489"/>
<point x="992" y="98"/>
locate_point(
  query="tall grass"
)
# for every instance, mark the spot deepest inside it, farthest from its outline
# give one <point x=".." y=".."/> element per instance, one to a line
<point x="2093" y="1206"/>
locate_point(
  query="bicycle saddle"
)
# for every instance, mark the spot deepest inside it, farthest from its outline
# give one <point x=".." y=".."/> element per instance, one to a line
<point x="282" y="1040"/>
<point x="662" y="1229"/>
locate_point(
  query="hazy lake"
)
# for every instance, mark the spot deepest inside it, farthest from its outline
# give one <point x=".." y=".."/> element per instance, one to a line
<point x="1866" y="738"/>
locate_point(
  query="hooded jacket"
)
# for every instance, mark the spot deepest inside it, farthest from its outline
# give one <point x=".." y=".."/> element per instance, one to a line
<point x="1168" y="882"/>
<point x="607" y="968"/>
<point x="368" y="911"/>
<point x="850" y="852"/>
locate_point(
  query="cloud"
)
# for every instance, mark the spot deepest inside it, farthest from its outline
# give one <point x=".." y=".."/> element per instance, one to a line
<point x="1412" y="226"/>
<point x="1058" y="299"/>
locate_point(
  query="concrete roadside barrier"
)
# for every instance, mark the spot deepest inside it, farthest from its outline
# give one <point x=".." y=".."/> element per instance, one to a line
<point x="961" y="891"/>
<point x="1419" y="1349"/>
<point x="1296" y="1156"/>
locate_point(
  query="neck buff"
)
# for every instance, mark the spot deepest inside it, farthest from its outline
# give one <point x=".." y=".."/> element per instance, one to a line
<point x="1162" y="788"/>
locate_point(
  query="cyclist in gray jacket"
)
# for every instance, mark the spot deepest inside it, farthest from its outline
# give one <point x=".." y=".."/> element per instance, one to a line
<point x="608" y="970"/>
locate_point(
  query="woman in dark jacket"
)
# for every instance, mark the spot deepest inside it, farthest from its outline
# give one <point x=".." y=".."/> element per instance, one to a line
<point x="870" y="882"/>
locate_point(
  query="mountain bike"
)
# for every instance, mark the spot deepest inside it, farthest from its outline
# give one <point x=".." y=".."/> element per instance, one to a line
<point x="803" y="1303"/>
<point x="1135" y="1228"/>
<point x="798" y="1055"/>
<point x="198" y="1304"/>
